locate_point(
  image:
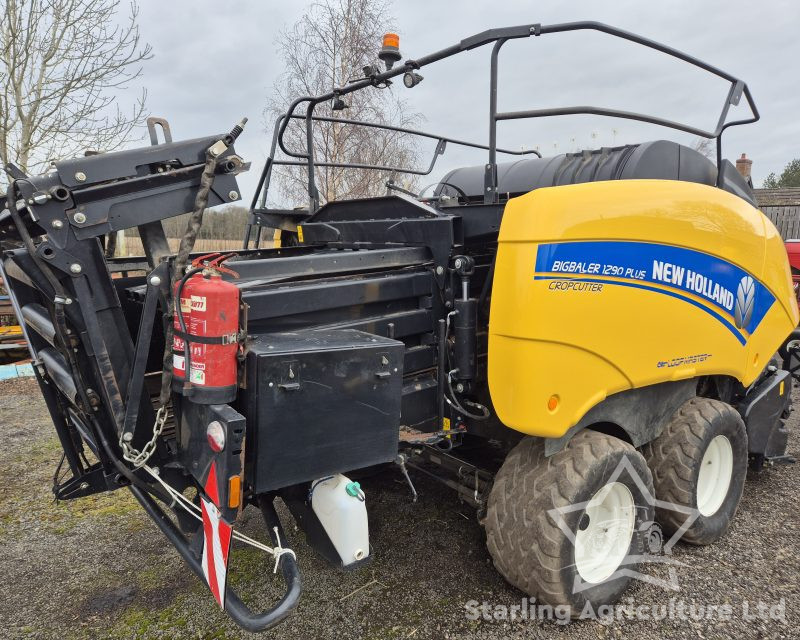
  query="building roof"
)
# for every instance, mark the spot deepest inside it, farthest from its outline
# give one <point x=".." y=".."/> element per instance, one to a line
<point x="789" y="197"/>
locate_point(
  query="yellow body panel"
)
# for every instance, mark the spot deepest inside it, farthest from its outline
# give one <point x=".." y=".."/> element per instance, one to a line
<point x="607" y="286"/>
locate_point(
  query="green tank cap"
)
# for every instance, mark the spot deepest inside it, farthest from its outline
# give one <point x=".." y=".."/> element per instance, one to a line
<point x="353" y="489"/>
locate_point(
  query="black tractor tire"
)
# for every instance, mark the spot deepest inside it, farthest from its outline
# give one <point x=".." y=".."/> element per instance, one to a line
<point x="676" y="457"/>
<point x="527" y="545"/>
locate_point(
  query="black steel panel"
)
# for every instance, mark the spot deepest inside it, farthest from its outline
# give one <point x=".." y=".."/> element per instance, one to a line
<point x="439" y="234"/>
<point x="122" y="164"/>
<point x="405" y="324"/>
<point x="394" y="206"/>
<point x="271" y="302"/>
<point x="420" y="403"/>
<point x="325" y="263"/>
<point x="350" y="317"/>
<point x="119" y="211"/>
<point x="318" y="403"/>
<point x="419" y="358"/>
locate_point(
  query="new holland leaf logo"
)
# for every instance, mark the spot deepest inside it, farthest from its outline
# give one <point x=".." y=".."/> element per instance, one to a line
<point x="745" y="301"/>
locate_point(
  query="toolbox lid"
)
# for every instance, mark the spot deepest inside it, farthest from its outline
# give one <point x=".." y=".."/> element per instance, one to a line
<point x="315" y="340"/>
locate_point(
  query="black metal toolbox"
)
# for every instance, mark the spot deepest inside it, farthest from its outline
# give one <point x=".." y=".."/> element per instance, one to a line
<point x="319" y="402"/>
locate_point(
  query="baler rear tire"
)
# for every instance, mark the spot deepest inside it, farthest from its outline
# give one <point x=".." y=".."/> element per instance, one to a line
<point x="528" y="547"/>
<point x="676" y="457"/>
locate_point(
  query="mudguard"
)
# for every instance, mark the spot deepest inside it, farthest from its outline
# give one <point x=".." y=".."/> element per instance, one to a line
<point x="607" y="286"/>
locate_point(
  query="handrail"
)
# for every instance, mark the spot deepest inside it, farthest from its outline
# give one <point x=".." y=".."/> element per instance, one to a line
<point x="499" y="37"/>
<point x="441" y="143"/>
<point x="735" y="92"/>
<point x="416" y="132"/>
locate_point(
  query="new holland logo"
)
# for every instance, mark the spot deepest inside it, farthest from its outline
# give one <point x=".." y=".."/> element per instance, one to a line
<point x="727" y="292"/>
<point x="745" y="301"/>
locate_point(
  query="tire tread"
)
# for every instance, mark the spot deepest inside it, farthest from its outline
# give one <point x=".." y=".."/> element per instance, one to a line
<point x="524" y="542"/>
<point x="672" y="456"/>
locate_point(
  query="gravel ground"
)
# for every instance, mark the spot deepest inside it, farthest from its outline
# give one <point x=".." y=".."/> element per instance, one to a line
<point x="98" y="567"/>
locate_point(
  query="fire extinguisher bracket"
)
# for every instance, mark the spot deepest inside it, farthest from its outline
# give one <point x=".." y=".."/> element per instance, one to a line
<point x="230" y="338"/>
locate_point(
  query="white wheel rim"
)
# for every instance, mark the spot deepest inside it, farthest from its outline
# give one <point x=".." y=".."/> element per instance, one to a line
<point x="714" y="479"/>
<point x="603" y="542"/>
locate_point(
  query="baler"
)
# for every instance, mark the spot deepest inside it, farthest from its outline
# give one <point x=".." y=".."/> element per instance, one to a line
<point x="606" y="320"/>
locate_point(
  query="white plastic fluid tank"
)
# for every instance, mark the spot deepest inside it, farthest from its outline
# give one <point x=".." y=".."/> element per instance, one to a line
<point x="340" y="506"/>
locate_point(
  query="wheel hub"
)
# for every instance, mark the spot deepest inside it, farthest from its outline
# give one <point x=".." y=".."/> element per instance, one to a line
<point x="604" y="533"/>
<point x="714" y="478"/>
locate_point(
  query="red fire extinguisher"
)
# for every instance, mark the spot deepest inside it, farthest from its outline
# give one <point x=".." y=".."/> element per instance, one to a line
<point x="209" y="308"/>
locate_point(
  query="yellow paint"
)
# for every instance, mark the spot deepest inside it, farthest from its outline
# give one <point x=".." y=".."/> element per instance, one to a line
<point x="581" y="347"/>
<point x="780" y="388"/>
<point x="276" y="239"/>
<point x="11" y="331"/>
<point x="300" y="234"/>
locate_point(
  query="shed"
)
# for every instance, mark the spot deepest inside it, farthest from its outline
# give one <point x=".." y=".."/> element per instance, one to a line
<point x="782" y="206"/>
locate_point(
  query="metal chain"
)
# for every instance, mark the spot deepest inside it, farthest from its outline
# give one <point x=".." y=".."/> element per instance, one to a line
<point x="139" y="458"/>
<point x="181" y="262"/>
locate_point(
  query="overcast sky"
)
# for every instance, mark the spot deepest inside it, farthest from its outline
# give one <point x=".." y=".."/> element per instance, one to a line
<point x="214" y="63"/>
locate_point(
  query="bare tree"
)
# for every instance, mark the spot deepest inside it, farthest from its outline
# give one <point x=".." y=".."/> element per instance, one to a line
<point x="706" y="146"/>
<point x="61" y="64"/>
<point x="326" y="48"/>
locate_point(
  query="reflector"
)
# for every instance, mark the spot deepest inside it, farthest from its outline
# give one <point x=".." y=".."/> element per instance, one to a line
<point x="215" y="433"/>
<point x="234" y="491"/>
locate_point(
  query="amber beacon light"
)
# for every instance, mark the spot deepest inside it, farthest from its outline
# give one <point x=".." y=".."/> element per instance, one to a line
<point x="390" y="51"/>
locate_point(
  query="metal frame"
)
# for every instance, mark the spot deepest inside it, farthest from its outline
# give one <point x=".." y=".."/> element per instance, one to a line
<point x="92" y="375"/>
<point x="262" y="216"/>
<point x="499" y="37"/>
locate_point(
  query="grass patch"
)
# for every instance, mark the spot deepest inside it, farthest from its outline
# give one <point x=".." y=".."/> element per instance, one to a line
<point x="27" y="495"/>
<point x="137" y="623"/>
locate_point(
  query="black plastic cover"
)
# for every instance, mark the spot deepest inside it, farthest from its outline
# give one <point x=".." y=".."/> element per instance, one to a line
<point x="319" y="403"/>
<point x="661" y="159"/>
<point x="762" y="411"/>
